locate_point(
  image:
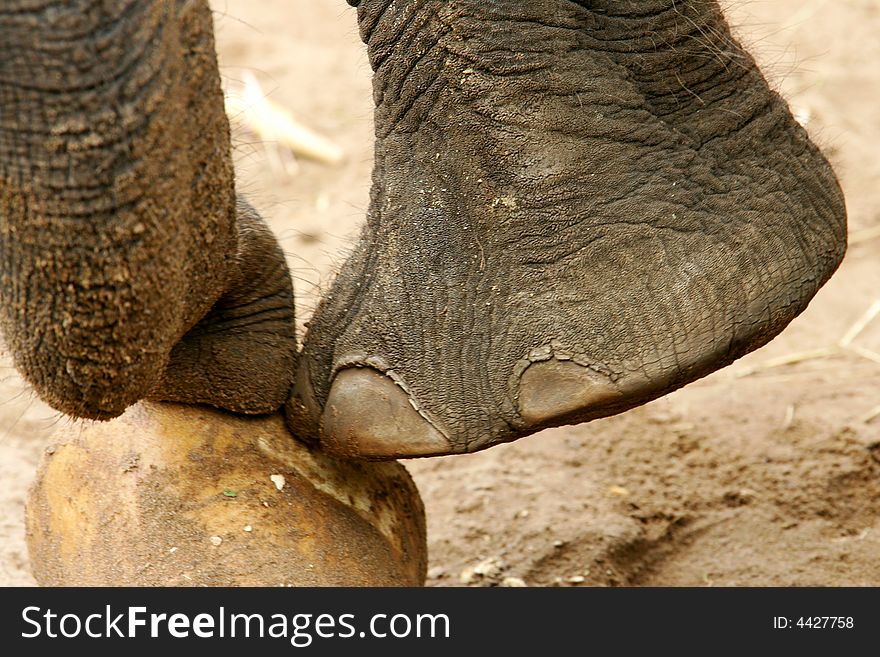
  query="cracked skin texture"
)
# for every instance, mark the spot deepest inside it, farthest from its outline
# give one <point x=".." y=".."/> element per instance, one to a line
<point x="577" y="207"/>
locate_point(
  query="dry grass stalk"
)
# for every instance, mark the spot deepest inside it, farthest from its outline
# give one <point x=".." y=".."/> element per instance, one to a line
<point x="860" y="325"/>
<point x="871" y="415"/>
<point x="864" y="235"/>
<point x="843" y="345"/>
<point x="248" y="104"/>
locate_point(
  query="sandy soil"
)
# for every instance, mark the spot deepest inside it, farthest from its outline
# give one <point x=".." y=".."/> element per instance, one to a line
<point x="762" y="474"/>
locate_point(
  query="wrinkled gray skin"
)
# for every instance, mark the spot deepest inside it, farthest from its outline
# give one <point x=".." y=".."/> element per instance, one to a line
<point x="576" y="207"/>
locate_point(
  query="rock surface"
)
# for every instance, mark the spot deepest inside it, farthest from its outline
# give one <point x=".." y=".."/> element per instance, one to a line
<point x="177" y="495"/>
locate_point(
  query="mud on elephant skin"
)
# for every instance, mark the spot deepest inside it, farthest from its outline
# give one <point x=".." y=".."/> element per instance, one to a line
<point x="127" y="267"/>
<point x="577" y="207"/>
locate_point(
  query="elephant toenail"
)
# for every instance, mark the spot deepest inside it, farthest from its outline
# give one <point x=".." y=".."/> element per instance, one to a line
<point x="553" y="389"/>
<point x="367" y="415"/>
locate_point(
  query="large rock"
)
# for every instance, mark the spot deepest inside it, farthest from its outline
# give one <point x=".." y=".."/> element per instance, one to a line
<point x="180" y="495"/>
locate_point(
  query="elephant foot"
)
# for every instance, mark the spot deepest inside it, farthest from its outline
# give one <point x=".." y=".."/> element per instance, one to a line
<point x="577" y="207"/>
<point x="179" y="495"/>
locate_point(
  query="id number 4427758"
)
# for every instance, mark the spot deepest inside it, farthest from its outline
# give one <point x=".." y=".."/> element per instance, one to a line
<point x="814" y="622"/>
<point x="822" y="622"/>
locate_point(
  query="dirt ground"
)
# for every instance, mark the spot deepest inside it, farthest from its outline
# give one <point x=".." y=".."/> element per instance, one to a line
<point x="766" y="473"/>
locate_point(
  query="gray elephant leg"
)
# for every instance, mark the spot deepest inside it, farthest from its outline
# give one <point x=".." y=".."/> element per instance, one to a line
<point x="577" y="207"/>
<point x="126" y="269"/>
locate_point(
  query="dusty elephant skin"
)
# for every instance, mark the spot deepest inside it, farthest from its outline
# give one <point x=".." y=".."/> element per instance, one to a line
<point x="188" y="496"/>
<point x="577" y="207"/>
<point x="127" y="269"/>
